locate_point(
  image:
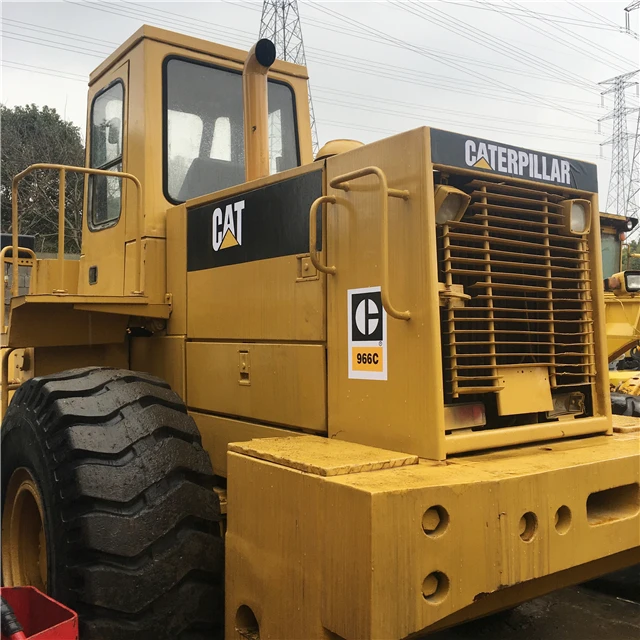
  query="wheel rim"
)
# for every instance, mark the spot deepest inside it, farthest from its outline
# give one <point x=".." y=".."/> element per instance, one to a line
<point x="24" y="543"/>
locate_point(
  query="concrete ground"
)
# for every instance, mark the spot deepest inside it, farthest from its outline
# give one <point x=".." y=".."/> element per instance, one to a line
<point x="608" y="608"/>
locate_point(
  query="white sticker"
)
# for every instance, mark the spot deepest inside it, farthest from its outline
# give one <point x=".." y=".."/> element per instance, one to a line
<point x="367" y="321"/>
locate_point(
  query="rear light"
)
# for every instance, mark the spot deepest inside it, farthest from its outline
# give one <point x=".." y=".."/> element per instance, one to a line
<point x="464" y="416"/>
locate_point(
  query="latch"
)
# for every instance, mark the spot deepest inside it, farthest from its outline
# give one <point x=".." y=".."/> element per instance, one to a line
<point x="452" y="296"/>
<point x="306" y="270"/>
<point x="244" y="368"/>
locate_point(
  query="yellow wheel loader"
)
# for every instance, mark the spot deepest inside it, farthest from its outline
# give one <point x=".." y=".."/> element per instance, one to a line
<point x="361" y="396"/>
<point x="622" y="311"/>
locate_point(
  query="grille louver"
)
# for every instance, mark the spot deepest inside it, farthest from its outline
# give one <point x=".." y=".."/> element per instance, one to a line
<point x="530" y="288"/>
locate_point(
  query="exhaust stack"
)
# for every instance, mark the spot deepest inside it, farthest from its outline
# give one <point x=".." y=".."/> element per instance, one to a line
<point x="256" y="113"/>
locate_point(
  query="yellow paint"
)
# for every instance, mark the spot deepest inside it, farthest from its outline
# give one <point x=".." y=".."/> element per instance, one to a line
<point x="525" y="390"/>
<point x="386" y="527"/>
<point x="482" y="164"/>
<point x="24" y="545"/>
<point x="162" y="356"/>
<point x="229" y="241"/>
<point x="285" y="383"/>
<point x="363" y="539"/>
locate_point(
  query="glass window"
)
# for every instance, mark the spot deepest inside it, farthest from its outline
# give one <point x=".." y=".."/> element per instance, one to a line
<point x="204" y="144"/>
<point x="611" y="246"/>
<point x="107" y="118"/>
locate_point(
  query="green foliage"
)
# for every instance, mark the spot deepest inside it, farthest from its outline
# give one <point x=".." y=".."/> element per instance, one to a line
<point x="30" y="135"/>
<point x="629" y="249"/>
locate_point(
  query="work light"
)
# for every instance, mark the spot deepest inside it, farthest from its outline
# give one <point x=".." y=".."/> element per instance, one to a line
<point x="451" y="203"/>
<point x="629" y="282"/>
<point x="577" y="216"/>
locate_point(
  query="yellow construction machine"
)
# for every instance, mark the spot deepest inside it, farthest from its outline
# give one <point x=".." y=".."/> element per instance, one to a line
<point x="622" y="312"/>
<point x="358" y="396"/>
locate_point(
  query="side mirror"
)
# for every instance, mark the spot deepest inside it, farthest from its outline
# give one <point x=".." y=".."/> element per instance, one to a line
<point x="114" y="131"/>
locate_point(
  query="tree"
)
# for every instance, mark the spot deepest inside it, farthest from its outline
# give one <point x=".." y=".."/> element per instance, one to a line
<point x="29" y="135"/>
<point x="630" y="249"/>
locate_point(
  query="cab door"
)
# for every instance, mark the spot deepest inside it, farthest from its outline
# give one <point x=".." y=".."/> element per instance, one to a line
<point x="102" y="263"/>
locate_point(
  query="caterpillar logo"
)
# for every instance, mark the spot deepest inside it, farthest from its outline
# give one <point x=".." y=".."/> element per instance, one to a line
<point x="227" y="226"/>
<point x="367" y="334"/>
<point x="455" y="150"/>
<point x="516" y="162"/>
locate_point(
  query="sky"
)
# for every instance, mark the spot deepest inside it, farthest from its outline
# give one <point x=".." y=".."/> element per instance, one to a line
<point x="522" y="73"/>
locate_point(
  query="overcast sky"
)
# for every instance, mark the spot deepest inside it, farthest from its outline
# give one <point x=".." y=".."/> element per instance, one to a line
<point x="523" y="73"/>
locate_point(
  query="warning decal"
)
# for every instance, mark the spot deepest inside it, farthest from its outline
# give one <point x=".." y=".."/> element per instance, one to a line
<point x="367" y="334"/>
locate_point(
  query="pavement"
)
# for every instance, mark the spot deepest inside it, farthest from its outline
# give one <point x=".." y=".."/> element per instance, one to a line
<point x="605" y="609"/>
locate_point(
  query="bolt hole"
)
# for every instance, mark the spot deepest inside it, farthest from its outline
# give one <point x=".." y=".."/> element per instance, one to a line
<point x="435" y="587"/>
<point x="563" y="519"/>
<point x="528" y="526"/>
<point x="435" y="521"/>
<point x="247" y="624"/>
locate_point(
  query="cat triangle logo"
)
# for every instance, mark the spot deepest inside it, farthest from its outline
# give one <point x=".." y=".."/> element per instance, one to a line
<point x="226" y="226"/>
<point x="482" y="164"/>
<point x="229" y="240"/>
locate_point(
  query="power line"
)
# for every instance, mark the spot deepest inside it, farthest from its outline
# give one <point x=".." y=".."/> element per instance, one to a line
<point x="49" y="72"/>
<point x="485" y="40"/>
<point x="488" y="6"/>
<point x="342" y="62"/>
<point x="46" y="43"/>
<point x="427" y="54"/>
<point x="361" y="107"/>
<point x="354" y="125"/>
<point x="583" y="51"/>
<point x="548" y="76"/>
<point x="331" y="99"/>
<point x="280" y="22"/>
<point x="76" y="36"/>
<point x="591" y="12"/>
<point x="366" y="98"/>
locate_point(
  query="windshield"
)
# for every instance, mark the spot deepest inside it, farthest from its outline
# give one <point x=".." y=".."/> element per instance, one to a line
<point x="204" y="136"/>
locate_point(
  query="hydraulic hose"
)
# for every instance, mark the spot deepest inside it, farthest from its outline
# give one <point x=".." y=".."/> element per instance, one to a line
<point x="11" y="628"/>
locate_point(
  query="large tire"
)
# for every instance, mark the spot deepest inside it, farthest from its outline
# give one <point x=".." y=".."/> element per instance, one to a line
<point x="131" y="521"/>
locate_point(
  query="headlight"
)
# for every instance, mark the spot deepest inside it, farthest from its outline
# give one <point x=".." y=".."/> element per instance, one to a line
<point x="577" y="216"/>
<point x="451" y="203"/>
<point x="632" y="281"/>
<point x="629" y="282"/>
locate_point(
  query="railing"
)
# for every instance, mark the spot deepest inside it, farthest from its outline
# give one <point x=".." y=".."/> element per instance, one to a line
<point x="343" y="183"/>
<point x="29" y="262"/>
<point x="63" y="169"/>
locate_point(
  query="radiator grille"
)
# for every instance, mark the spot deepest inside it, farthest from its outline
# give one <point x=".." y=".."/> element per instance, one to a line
<point x="530" y="288"/>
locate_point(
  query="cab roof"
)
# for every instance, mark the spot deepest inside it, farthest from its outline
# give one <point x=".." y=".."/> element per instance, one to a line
<point x="190" y="43"/>
<point x="620" y="223"/>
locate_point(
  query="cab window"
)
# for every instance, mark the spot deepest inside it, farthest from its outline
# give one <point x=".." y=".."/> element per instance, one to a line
<point x="105" y="192"/>
<point x="611" y="247"/>
<point x="204" y="134"/>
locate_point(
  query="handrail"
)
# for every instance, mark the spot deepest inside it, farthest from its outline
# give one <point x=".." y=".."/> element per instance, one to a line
<point x="342" y="182"/>
<point x="5" y="387"/>
<point x="313" y="252"/>
<point x="32" y="277"/>
<point x="61" y="219"/>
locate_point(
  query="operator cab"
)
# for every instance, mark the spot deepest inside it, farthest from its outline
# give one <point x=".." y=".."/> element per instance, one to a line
<point x="169" y="109"/>
<point x="204" y="138"/>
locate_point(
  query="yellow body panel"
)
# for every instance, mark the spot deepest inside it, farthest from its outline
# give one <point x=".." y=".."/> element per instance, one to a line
<point x="48" y="276"/>
<point x="360" y="410"/>
<point x="218" y="431"/>
<point x="386" y="527"/>
<point x="104" y="249"/>
<point x="280" y="384"/>
<point x="260" y="300"/>
<point x="358" y="537"/>
<point x="623" y="323"/>
<point x="162" y="356"/>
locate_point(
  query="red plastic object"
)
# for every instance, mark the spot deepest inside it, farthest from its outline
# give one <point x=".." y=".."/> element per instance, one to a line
<point x="41" y="617"/>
